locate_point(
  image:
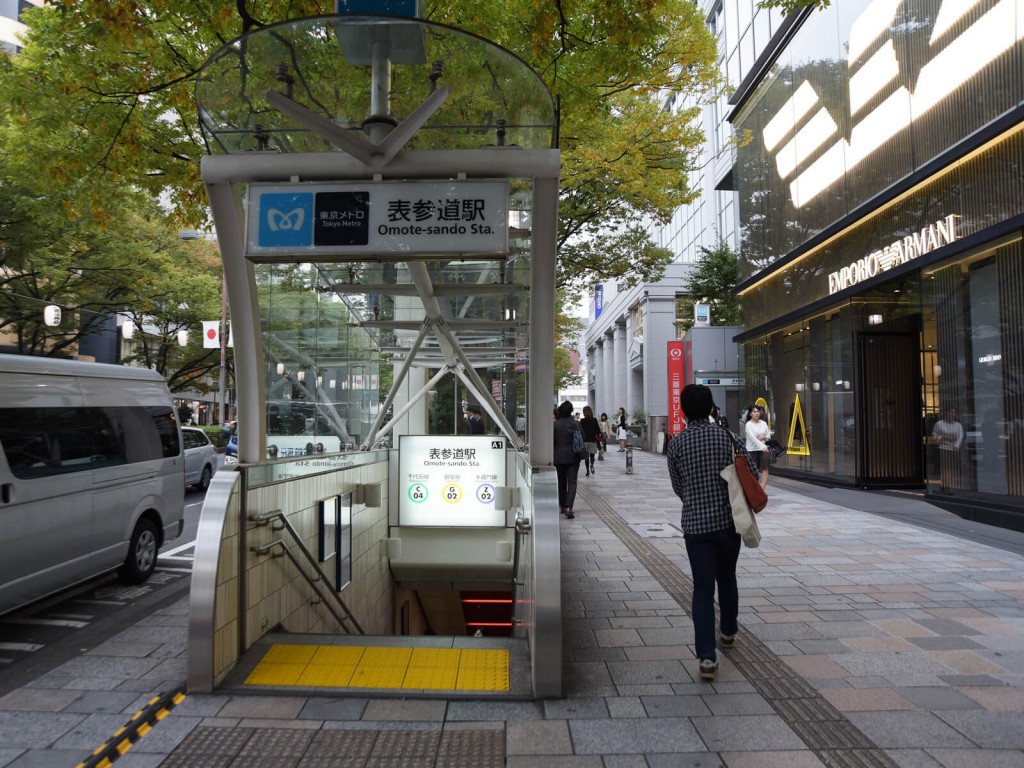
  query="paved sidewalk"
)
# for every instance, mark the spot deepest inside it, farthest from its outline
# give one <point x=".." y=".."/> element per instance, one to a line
<point x="864" y="641"/>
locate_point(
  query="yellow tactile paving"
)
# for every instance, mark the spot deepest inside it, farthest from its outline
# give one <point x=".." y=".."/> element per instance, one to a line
<point x="435" y="657"/>
<point x="337" y="654"/>
<point x="485" y="660"/>
<point x="431" y="678"/>
<point x="367" y="676"/>
<point x="386" y="657"/>
<point x="327" y="676"/>
<point x="290" y="654"/>
<point x="331" y="666"/>
<point x="482" y="679"/>
<point x="275" y="674"/>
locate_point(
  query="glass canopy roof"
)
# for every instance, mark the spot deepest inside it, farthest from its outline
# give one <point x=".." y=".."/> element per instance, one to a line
<point x="328" y="322"/>
<point x="324" y="63"/>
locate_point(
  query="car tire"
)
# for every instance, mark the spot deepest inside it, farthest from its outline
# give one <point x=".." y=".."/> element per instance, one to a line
<point x="142" y="550"/>
<point x="204" y="479"/>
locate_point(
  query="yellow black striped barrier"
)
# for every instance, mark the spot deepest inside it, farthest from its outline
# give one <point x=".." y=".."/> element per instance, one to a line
<point x="141" y="723"/>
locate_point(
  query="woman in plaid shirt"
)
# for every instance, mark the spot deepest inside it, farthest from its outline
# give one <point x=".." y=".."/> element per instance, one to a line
<point x="696" y="456"/>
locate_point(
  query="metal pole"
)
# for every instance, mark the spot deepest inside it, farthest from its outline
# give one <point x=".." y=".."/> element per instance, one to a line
<point x="223" y="409"/>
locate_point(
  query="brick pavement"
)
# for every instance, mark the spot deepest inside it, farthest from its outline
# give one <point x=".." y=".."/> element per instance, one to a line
<point x="864" y="641"/>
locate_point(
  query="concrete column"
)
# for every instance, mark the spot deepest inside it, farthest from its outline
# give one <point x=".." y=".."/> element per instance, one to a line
<point x="608" y="404"/>
<point x="415" y="421"/>
<point x="621" y="367"/>
<point x="598" y="371"/>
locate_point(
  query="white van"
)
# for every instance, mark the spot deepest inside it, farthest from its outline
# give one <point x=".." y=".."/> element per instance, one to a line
<point x="91" y="474"/>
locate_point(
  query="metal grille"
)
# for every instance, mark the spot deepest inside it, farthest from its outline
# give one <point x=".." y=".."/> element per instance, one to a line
<point x="357" y="749"/>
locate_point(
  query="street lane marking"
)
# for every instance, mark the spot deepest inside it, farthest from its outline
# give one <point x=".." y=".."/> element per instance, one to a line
<point x="23" y="647"/>
<point x="48" y="622"/>
<point x="176" y="550"/>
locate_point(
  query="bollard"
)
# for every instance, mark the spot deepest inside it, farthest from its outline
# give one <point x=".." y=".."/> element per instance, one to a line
<point x="629" y="458"/>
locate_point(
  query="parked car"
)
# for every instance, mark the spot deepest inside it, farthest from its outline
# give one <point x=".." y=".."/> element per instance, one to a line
<point x="231" y="449"/>
<point x="90" y="472"/>
<point x="200" y="458"/>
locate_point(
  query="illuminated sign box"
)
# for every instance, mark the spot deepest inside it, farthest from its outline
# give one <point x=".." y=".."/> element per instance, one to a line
<point x="405" y="219"/>
<point x="719" y="380"/>
<point x="450" y="481"/>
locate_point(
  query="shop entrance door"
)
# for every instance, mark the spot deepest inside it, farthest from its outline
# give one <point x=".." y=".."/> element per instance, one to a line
<point x="888" y="399"/>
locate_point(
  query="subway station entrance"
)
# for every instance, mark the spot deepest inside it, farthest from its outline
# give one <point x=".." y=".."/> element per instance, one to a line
<point x="385" y="195"/>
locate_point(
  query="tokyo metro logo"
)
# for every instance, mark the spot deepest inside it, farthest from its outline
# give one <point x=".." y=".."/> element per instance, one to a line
<point x="888" y="88"/>
<point x="285" y="219"/>
<point x="278" y="220"/>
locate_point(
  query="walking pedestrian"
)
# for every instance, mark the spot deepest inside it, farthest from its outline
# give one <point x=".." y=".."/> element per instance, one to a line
<point x="475" y="420"/>
<point x="696" y="458"/>
<point x="567" y="463"/>
<point x="591" y="430"/>
<point x="620" y="428"/>
<point x="606" y="435"/>
<point x="757" y="433"/>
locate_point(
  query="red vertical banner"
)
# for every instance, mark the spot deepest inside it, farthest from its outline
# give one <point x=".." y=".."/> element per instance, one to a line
<point x="676" y="382"/>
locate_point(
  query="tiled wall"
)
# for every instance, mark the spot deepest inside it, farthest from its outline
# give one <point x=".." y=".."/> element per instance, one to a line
<point x="275" y="592"/>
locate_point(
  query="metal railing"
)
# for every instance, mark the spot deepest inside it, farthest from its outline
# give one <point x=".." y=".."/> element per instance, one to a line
<point x="319" y="582"/>
<point x="523" y="528"/>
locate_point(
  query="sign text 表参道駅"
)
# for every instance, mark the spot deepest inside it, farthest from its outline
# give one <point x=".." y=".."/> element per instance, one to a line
<point x="408" y="217"/>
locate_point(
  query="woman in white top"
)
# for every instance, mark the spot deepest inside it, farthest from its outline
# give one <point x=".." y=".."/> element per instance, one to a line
<point x="757" y="434"/>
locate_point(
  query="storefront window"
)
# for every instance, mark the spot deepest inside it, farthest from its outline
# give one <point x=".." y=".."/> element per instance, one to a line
<point x="975" y="414"/>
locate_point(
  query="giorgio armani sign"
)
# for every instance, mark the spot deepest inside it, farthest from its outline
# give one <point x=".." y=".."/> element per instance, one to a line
<point x="930" y="238"/>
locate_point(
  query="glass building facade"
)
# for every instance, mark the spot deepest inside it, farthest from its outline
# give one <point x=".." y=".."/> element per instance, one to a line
<point x="881" y="209"/>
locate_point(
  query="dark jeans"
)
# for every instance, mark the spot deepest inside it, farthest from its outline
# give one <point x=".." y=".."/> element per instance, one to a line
<point x="713" y="559"/>
<point x="567" y="475"/>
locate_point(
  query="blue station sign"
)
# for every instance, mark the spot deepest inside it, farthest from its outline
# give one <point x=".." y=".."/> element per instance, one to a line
<point x="380" y="218"/>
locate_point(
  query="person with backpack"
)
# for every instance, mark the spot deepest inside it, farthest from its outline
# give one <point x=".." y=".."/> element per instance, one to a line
<point x="567" y="456"/>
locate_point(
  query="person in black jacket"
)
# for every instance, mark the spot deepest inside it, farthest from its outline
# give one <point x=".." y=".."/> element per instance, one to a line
<point x="567" y="463"/>
<point x="475" y="420"/>
<point x="591" y="429"/>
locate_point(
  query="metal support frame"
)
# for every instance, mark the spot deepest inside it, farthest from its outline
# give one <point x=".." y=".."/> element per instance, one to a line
<point x="375" y="159"/>
<point x="542" y="318"/>
<point x="399" y="379"/>
<point x="223" y="172"/>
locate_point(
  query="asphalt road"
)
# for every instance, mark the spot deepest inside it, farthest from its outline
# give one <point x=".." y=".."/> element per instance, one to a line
<point x="45" y="634"/>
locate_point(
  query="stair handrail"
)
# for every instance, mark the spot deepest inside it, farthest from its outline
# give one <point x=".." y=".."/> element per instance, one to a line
<point x="266" y="518"/>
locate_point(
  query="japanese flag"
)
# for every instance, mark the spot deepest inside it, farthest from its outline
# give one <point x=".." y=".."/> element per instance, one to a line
<point x="211" y="334"/>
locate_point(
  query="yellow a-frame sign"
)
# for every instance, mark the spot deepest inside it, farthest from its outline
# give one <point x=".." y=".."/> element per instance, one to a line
<point x="798" y="415"/>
